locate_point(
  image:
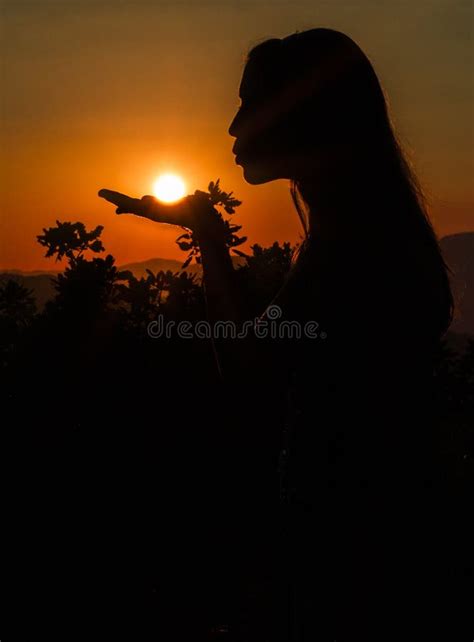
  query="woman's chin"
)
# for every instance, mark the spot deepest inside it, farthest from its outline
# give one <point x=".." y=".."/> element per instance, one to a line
<point x="256" y="174"/>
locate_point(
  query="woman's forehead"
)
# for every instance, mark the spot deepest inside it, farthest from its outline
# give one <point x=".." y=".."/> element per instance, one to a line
<point x="260" y="78"/>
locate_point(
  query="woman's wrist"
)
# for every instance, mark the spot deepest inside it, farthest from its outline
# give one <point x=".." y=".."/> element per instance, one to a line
<point x="211" y="231"/>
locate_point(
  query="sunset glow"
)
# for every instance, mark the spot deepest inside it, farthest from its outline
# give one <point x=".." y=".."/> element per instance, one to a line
<point x="147" y="92"/>
<point x="169" y="188"/>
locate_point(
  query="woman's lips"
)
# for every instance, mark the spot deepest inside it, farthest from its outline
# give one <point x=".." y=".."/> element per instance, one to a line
<point x="239" y="158"/>
<point x="241" y="155"/>
<point x="238" y="153"/>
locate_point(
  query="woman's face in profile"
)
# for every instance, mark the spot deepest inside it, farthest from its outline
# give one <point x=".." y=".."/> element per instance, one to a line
<point x="257" y="143"/>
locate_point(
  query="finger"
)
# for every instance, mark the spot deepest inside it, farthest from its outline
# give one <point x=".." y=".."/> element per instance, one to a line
<point x="107" y="193"/>
<point x="113" y="197"/>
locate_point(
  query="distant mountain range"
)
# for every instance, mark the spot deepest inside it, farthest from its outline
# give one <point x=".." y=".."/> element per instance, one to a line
<point x="41" y="284"/>
<point x="458" y="251"/>
<point x="138" y="269"/>
<point x="155" y="265"/>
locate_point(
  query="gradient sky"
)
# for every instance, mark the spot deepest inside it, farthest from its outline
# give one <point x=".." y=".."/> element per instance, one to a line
<point x="111" y="94"/>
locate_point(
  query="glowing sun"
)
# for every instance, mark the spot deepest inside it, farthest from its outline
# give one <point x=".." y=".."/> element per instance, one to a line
<point x="169" y="188"/>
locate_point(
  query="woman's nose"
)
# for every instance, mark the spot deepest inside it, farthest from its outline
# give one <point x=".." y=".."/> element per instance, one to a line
<point x="231" y="129"/>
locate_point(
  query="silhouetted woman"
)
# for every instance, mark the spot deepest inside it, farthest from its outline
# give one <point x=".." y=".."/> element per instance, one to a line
<point x="356" y="458"/>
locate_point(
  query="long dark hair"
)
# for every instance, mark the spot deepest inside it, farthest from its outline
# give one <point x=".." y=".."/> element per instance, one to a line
<point x="331" y="109"/>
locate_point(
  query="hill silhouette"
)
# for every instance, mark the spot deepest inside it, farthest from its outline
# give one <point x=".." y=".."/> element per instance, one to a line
<point x="40" y="284"/>
<point x="40" y="281"/>
<point x="101" y="463"/>
<point x="458" y="251"/>
<point x="139" y="269"/>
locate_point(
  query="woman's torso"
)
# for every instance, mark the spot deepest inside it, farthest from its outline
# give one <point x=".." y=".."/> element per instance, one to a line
<point x="354" y="438"/>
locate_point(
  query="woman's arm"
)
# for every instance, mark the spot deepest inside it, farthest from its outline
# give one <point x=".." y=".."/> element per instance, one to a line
<point x="239" y="351"/>
<point x="224" y="298"/>
<point x="248" y="355"/>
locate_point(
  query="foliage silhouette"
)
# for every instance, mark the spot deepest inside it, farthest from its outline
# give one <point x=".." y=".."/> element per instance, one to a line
<point x="17" y="311"/>
<point x="115" y="429"/>
<point x="17" y="303"/>
<point x="70" y="240"/>
<point x="216" y="197"/>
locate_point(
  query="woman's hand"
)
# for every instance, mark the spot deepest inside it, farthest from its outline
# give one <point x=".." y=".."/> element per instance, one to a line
<point x="194" y="211"/>
<point x="125" y="204"/>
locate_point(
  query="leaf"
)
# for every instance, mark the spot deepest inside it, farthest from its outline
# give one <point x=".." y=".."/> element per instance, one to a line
<point x="97" y="246"/>
<point x="238" y="241"/>
<point x="126" y="275"/>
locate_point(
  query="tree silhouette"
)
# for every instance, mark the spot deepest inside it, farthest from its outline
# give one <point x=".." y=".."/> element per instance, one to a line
<point x="70" y="240"/>
<point x="263" y="272"/>
<point x="17" y="311"/>
<point x="116" y="426"/>
<point x="17" y="303"/>
<point x="86" y="287"/>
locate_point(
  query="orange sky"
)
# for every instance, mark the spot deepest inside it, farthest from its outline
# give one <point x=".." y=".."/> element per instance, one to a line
<point x="111" y="94"/>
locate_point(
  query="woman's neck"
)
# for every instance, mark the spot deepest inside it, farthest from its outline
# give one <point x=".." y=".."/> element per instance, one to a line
<point x="333" y="206"/>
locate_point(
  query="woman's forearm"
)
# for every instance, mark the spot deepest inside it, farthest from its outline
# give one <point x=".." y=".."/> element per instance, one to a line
<point x="224" y="299"/>
<point x="226" y="308"/>
<point x="237" y="347"/>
